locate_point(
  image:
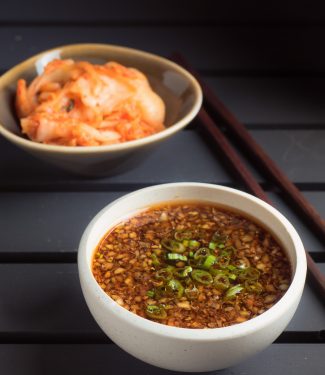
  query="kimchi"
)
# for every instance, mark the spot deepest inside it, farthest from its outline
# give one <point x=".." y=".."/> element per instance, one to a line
<point x="83" y="104"/>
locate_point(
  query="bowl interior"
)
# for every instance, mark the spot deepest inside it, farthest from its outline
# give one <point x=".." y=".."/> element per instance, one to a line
<point x="167" y="79"/>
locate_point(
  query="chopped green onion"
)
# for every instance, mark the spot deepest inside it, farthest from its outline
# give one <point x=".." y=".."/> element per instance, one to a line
<point x="221" y="282"/>
<point x="218" y="241"/>
<point x="164" y="273"/>
<point x="186" y="243"/>
<point x="209" y="261"/>
<point x="212" y="245"/>
<point x="223" y="259"/>
<point x="174" y="246"/>
<point x="202" y="277"/>
<point x="216" y="271"/>
<point x="231" y="267"/>
<point x="150" y="293"/>
<point x="202" y="252"/>
<point x="173" y="256"/>
<point x="249" y="273"/>
<point x="183" y="272"/>
<point x="156" y="312"/>
<point x="175" y="288"/>
<point x="197" y="263"/>
<point x="181" y="235"/>
<point x="191" y="254"/>
<point x="231" y="292"/>
<point x="223" y="271"/>
<point x="193" y="244"/>
<point x="192" y="293"/>
<point x="253" y="286"/>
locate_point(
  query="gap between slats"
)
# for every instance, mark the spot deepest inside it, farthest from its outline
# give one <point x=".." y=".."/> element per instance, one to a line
<point x="167" y="22"/>
<point x="101" y="338"/>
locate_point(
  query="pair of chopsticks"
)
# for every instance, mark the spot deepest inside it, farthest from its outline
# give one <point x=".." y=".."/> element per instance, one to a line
<point x="266" y="164"/>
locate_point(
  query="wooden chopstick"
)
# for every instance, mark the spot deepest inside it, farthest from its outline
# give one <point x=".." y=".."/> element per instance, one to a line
<point x="231" y="156"/>
<point x="259" y="156"/>
<point x="240" y="169"/>
<point x="237" y="165"/>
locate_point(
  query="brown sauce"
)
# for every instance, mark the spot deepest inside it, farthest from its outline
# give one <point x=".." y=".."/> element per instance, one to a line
<point x="192" y="265"/>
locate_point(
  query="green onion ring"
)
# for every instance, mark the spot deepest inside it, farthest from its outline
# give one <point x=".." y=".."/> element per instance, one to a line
<point x="192" y="293"/>
<point x="202" y="277"/>
<point x="231" y="292"/>
<point x="175" y="288"/>
<point x="156" y="312"/>
<point x="223" y="259"/>
<point x="249" y="273"/>
<point x="221" y="282"/>
<point x="202" y="252"/>
<point x="209" y="261"/>
<point x="172" y="245"/>
<point x="164" y="273"/>
<point x="193" y="244"/>
<point x="253" y="286"/>
<point x="183" y="272"/>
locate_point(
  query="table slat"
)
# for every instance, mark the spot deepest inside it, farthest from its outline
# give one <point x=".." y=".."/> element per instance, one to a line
<point x="183" y="157"/>
<point x="46" y="298"/>
<point x="273" y="101"/>
<point x="289" y="359"/>
<point x="36" y="222"/>
<point x="234" y="48"/>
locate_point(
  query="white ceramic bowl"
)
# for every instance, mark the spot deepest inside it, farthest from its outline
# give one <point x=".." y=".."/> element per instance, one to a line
<point x="178" y="89"/>
<point x="186" y="349"/>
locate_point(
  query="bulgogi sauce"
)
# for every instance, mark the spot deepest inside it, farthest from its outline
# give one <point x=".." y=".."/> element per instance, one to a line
<point x="192" y="265"/>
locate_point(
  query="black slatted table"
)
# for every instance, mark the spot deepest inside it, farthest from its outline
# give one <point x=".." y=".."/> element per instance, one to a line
<point x="268" y="70"/>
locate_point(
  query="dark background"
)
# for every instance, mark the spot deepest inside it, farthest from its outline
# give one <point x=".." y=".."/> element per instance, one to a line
<point x="264" y="59"/>
<point x="242" y="46"/>
<point x="276" y="36"/>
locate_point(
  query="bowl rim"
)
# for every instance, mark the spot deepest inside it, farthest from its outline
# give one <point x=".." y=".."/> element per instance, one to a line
<point x="282" y="307"/>
<point x="89" y="47"/>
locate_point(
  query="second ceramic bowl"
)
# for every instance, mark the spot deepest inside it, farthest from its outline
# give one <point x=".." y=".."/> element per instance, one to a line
<point x="179" y="90"/>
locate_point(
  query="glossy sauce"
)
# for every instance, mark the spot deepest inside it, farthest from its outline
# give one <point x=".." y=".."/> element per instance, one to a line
<point x="192" y="265"/>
